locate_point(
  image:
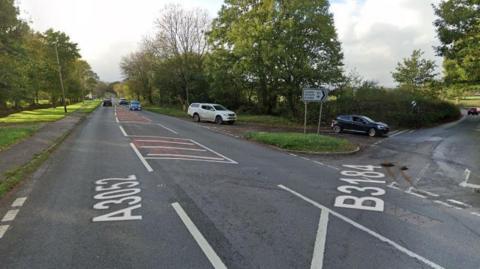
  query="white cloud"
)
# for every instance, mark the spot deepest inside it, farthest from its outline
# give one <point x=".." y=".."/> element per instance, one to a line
<point x="376" y="34"/>
<point x="105" y="30"/>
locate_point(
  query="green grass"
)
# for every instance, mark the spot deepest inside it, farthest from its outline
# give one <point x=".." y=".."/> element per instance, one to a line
<point x="167" y="110"/>
<point x="268" y="120"/>
<point x="10" y="135"/>
<point x="302" y="142"/>
<point x="48" y="114"/>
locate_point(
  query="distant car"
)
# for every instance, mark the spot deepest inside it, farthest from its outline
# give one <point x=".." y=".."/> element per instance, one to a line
<point x="473" y="111"/>
<point x="211" y="112"/>
<point x="107" y="102"/>
<point x="135" y="105"/>
<point x="358" y="123"/>
<point x="123" y="101"/>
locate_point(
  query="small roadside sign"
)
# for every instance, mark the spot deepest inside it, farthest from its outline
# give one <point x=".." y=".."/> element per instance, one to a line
<point x="314" y="95"/>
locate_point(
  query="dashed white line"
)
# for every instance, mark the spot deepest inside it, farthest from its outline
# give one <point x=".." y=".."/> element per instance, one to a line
<point x="19" y="202"/>
<point x="164" y="147"/>
<point x="458" y="202"/>
<point x="197" y="235"/>
<point x="428" y="193"/>
<point x="10" y="215"/>
<point x="446" y="204"/>
<point x="164" y="141"/>
<point x="319" y="249"/>
<point x="398" y="133"/>
<point x="365" y="229"/>
<point x="317" y="162"/>
<point x="410" y="191"/>
<point x="166" y="128"/>
<point x="116" y="119"/>
<point x="3" y="230"/>
<point x="123" y="131"/>
<point x="294" y="155"/>
<point x="305" y="158"/>
<point x="475" y="214"/>
<point x="139" y="155"/>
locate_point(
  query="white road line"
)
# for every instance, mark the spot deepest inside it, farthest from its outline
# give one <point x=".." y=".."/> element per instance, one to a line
<point x="19" y="202"/>
<point x="393" y="185"/>
<point x="411" y="132"/>
<point x="305" y="158"/>
<point x="394" y="132"/>
<point x="187" y="159"/>
<point x="458" y="203"/>
<point x="116" y="119"/>
<point x="446" y="204"/>
<point x="422" y="173"/>
<point x="3" y="230"/>
<point x="201" y="241"/>
<point x="166" y="128"/>
<point x="317" y="162"/>
<point x="184" y="156"/>
<point x="398" y="133"/>
<point x="428" y="193"/>
<point x="475" y="214"/>
<point x="161" y="137"/>
<point x="163" y="147"/>
<point x="333" y="167"/>
<point x="123" y="131"/>
<point x="465" y="183"/>
<point x="164" y="141"/>
<point x="410" y="191"/>
<point x="319" y="249"/>
<point x="10" y="215"/>
<point x="139" y="155"/>
<point x="205" y="147"/>
<point x="294" y="155"/>
<point x="365" y="229"/>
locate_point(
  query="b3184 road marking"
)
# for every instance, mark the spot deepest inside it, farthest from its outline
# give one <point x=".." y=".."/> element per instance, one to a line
<point x="357" y="177"/>
<point x="117" y="192"/>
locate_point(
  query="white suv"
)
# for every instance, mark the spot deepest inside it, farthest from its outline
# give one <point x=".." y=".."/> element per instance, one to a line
<point x="211" y="112"/>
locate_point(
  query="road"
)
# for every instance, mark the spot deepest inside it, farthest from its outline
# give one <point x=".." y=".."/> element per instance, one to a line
<point x="142" y="190"/>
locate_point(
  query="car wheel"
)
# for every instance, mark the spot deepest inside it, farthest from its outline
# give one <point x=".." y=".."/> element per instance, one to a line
<point x="337" y="129"/>
<point x="218" y="120"/>
<point x="196" y="117"/>
<point x="372" y="132"/>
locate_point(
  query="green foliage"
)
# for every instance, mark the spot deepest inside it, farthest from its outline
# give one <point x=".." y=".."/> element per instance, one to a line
<point x="28" y="66"/>
<point x="415" y="74"/>
<point x="458" y="28"/>
<point x="10" y="135"/>
<point x="274" y="48"/>
<point x="303" y="142"/>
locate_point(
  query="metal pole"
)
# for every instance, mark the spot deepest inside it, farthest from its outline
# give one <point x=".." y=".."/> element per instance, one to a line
<point x="305" y="120"/>
<point x="61" y="80"/>
<point x="319" y="118"/>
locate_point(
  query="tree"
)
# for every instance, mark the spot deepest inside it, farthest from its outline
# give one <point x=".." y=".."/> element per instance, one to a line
<point x="458" y="28"/>
<point x="276" y="46"/>
<point x="414" y="73"/>
<point x="180" y="35"/>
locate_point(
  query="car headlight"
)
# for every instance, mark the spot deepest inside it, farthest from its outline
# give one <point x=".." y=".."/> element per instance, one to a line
<point x="381" y="127"/>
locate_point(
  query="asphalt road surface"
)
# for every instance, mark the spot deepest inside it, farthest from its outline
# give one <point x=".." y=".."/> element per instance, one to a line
<point x="141" y="190"/>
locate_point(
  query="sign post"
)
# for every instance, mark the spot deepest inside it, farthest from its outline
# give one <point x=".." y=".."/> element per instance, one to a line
<point x="314" y="95"/>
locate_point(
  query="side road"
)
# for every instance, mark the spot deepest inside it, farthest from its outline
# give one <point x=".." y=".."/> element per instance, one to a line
<point x="51" y="133"/>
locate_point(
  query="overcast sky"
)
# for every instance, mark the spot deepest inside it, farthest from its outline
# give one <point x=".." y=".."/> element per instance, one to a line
<point x="375" y="34"/>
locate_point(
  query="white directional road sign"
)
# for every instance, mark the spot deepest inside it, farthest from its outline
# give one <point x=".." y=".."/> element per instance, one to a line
<point x="314" y="95"/>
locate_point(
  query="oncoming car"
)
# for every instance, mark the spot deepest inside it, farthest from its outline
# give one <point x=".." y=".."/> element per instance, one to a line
<point x="211" y="112"/>
<point x="107" y="102"/>
<point x="473" y="111"/>
<point x="135" y="105"/>
<point x="358" y="123"/>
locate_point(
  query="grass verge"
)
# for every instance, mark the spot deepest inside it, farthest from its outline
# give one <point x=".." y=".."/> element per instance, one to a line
<point x="268" y="120"/>
<point x="11" y="134"/>
<point x="302" y="142"/>
<point x="48" y="114"/>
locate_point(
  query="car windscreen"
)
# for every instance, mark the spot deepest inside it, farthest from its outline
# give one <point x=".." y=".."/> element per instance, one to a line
<point x="368" y="119"/>
<point x="135" y="103"/>
<point x="219" y="108"/>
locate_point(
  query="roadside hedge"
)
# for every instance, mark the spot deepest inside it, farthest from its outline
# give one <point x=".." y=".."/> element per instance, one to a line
<point x="393" y="107"/>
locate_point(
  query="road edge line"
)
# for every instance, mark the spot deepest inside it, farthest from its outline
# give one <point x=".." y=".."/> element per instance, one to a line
<point x="321" y="239"/>
<point x="197" y="235"/>
<point x="139" y="155"/>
